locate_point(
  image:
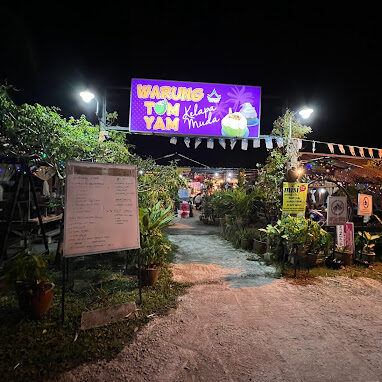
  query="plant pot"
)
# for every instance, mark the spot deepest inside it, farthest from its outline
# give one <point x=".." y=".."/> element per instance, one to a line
<point x="34" y="302"/>
<point x="41" y="301"/>
<point x="369" y="257"/>
<point x="149" y="276"/>
<point x="346" y="258"/>
<point x="259" y="247"/>
<point x="245" y="243"/>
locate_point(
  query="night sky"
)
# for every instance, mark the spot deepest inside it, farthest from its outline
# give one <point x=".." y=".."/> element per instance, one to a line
<point x="318" y="56"/>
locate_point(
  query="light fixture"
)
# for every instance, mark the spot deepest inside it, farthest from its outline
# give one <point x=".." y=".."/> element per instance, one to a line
<point x="299" y="171"/>
<point x="216" y="174"/>
<point x="230" y="174"/>
<point x="87" y="96"/>
<point x="140" y="172"/>
<point x="228" y="179"/>
<point x="305" y="112"/>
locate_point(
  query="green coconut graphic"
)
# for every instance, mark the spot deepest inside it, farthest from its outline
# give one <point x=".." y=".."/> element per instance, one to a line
<point x="160" y="107"/>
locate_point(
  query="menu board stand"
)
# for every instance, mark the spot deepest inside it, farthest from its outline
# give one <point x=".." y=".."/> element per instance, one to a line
<point x="101" y="213"/>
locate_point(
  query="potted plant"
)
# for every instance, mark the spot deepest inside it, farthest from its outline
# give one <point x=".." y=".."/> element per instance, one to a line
<point x="344" y="254"/>
<point x="368" y="246"/>
<point x="27" y="273"/>
<point x="246" y="237"/>
<point x="154" y="246"/>
<point x="260" y="242"/>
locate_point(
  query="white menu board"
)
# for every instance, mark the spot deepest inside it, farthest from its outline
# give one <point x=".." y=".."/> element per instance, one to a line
<point x="101" y="208"/>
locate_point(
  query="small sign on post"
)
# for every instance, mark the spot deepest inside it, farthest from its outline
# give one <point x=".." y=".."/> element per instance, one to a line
<point x="337" y="211"/>
<point x="345" y="236"/>
<point x="365" y="205"/>
<point x="294" y="198"/>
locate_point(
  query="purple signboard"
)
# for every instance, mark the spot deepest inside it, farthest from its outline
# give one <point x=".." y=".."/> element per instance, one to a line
<point x="194" y="109"/>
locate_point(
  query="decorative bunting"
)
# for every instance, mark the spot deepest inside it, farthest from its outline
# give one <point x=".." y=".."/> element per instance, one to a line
<point x="210" y="143"/>
<point x="299" y="144"/>
<point x="352" y="151"/>
<point x="233" y="143"/>
<point x="361" y="152"/>
<point x="268" y="143"/>
<point x="173" y="140"/>
<point x="244" y="144"/>
<point x="187" y="141"/>
<point x="222" y="142"/>
<point x="198" y="141"/>
<point x="371" y="153"/>
<point x="256" y="143"/>
<point x="342" y="149"/>
<point x="331" y="147"/>
<point x="380" y="153"/>
<point x="280" y="142"/>
<point x="313" y="146"/>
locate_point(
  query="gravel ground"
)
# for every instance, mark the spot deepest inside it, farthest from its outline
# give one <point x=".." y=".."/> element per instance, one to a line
<point x="273" y="330"/>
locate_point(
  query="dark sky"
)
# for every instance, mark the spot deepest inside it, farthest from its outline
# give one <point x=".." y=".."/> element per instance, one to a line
<point x="299" y="54"/>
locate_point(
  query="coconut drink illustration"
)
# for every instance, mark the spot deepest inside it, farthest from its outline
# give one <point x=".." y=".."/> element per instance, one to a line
<point x="249" y="113"/>
<point x="234" y="125"/>
<point x="160" y="107"/>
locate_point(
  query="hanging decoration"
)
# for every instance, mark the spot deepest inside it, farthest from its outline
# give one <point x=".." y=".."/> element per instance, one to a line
<point x="268" y="143"/>
<point x="361" y="152"/>
<point x="256" y="143"/>
<point x="233" y="143"/>
<point x="45" y="173"/>
<point x="280" y="142"/>
<point x="210" y="143"/>
<point x="331" y="147"/>
<point x="342" y="149"/>
<point x="198" y="141"/>
<point x="371" y="153"/>
<point x="299" y="144"/>
<point x="187" y="141"/>
<point x="222" y="142"/>
<point x="352" y="151"/>
<point x="173" y="140"/>
<point x="380" y="153"/>
<point x="244" y="144"/>
<point x="313" y="146"/>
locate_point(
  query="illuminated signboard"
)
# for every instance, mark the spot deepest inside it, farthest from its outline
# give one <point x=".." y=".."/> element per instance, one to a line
<point x="194" y="109"/>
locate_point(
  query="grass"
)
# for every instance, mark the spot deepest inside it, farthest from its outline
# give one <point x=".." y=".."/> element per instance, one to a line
<point x="38" y="349"/>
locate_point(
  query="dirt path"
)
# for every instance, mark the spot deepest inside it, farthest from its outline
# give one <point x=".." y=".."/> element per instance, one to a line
<point x="275" y="331"/>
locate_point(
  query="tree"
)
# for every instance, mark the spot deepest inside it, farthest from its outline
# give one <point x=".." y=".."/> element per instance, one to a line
<point x="42" y="134"/>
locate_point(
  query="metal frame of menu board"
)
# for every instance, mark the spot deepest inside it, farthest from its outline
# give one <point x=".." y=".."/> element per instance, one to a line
<point x="110" y="169"/>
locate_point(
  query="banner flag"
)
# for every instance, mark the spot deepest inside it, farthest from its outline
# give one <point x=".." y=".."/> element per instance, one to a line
<point x="299" y="144"/>
<point x="371" y="153"/>
<point x="187" y="141"/>
<point x="342" y="149"/>
<point x="313" y="146"/>
<point x="244" y="144"/>
<point x="268" y="143"/>
<point x="198" y="141"/>
<point x="361" y="152"/>
<point x="331" y="147"/>
<point x="256" y="143"/>
<point x="280" y="141"/>
<point x="210" y="143"/>
<point x="380" y="153"/>
<point x="173" y="140"/>
<point x="351" y="149"/>
<point x="222" y="142"/>
<point x="233" y="143"/>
